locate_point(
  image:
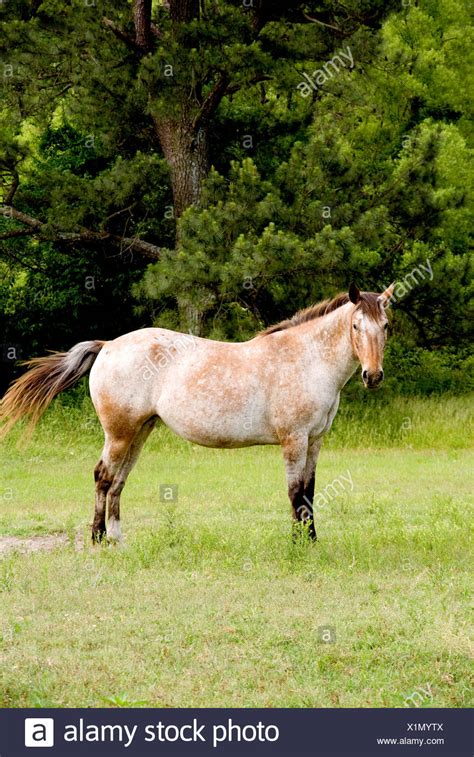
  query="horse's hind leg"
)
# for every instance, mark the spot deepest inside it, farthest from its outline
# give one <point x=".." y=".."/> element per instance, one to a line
<point x="102" y="483"/>
<point x="113" y="454"/>
<point x="120" y="477"/>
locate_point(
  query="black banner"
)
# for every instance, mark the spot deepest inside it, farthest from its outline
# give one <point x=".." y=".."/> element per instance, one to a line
<point x="320" y="733"/>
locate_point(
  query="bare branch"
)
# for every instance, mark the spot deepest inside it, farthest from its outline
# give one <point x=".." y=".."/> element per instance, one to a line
<point x="14" y="186"/>
<point x="146" y="249"/>
<point x="24" y="263"/>
<point x="16" y="233"/>
<point x="221" y="88"/>
<point x="107" y="23"/>
<point x="118" y="213"/>
<point x="86" y="236"/>
<point x="212" y="100"/>
<point x="321" y="23"/>
<point x="9" y="212"/>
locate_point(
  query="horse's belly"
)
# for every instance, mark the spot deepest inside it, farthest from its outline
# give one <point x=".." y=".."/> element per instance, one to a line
<point x="214" y="438"/>
<point x="220" y="431"/>
<point x="212" y="422"/>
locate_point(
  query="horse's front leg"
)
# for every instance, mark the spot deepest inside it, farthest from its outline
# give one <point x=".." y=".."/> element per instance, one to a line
<point x="295" y="454"/>
<point x="309" y="482"/>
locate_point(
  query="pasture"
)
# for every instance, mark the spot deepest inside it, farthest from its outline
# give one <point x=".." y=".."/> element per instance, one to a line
<point x="209" y="602"/>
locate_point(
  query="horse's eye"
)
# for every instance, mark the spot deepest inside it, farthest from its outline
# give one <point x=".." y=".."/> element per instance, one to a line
<point x="355" y="326"/>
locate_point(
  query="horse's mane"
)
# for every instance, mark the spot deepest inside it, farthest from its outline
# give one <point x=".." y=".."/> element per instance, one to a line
<point x="369" y="303"/>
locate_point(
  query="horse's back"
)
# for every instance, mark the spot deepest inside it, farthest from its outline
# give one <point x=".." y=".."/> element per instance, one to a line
<point x="207" y="391"/>
<point x="214" y="394"/>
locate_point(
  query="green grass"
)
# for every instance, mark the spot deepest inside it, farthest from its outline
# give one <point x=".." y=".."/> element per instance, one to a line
<point x="209" y="603"/>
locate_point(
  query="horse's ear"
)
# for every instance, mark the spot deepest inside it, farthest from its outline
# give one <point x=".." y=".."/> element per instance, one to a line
<point x="354" y="293"/>
<point x="386" y="296"/>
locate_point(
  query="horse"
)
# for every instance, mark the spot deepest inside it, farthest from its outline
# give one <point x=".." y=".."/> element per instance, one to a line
<point x="280" y="387"/>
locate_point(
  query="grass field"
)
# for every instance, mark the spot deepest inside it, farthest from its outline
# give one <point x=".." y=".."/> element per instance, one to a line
<point x="209" y="603"/>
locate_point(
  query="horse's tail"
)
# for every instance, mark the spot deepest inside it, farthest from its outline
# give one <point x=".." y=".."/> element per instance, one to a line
<point x="30" y="395"/>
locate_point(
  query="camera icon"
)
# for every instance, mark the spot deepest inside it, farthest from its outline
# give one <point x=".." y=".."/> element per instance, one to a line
<point x="39" y="732"/>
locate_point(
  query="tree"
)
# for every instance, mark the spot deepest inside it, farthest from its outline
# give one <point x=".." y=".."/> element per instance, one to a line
<point x="291" y="146"/>
<point x="376" y="186"/>
<point x="152" y="78"/>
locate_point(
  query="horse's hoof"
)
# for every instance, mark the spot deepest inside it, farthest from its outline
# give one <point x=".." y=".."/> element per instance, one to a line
<point x="114" y="538"/>
<point x="97" y="535"/>
<point x="114" y="542"/>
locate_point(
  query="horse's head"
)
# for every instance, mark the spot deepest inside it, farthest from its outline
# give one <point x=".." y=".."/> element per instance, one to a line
<point x="369" y="327"/>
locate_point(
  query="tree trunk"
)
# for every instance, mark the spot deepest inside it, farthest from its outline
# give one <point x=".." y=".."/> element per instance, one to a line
<point x="186" y="151"/>
<point x="185" y="148"/>
<point x="142" y="22"/>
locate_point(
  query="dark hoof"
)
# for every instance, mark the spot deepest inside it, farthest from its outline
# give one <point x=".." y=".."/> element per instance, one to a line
<point x="98" y="535"/>
<point x="304" y="532"/>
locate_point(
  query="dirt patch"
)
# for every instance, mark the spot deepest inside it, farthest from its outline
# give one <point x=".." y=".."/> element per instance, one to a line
<point x="38" y="543"/>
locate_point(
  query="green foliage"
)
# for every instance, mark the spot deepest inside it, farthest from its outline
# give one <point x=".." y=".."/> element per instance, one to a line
<point x="369" y="178"/>
<point x="374" y="189"/>
<point x="411" y="371"/>
<point x="428" y="372"/>
<point x="84" y="292"/>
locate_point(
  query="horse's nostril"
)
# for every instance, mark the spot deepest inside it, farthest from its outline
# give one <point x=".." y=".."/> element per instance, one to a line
<point x="365" y="375"/>
<point x="381" y="376"/>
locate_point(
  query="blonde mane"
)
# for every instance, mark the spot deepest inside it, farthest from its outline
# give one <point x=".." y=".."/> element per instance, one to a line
<point x="369" y="303"/>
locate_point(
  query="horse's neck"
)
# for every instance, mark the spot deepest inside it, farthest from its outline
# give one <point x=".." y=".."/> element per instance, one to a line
<point x="332" y="337"/>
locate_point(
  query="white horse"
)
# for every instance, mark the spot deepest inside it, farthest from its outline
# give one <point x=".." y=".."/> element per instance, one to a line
<point x="281" y="387"/>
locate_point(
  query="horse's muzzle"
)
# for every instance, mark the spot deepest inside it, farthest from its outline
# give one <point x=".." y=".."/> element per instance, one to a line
<point x="372" y="380"/>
